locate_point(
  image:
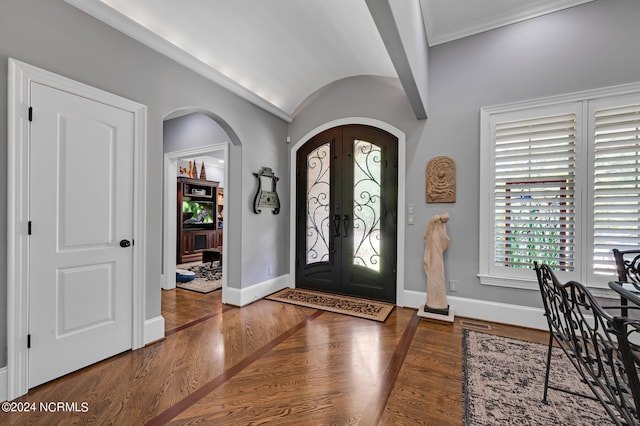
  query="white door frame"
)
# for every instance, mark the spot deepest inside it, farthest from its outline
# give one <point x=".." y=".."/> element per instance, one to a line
<point x="170" y="217"/>
<point x="401" y="192"/>
<point x="21" y="75"/>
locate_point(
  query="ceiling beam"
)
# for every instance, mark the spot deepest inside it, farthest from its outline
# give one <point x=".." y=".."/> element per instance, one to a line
<point x="400" y="25"/>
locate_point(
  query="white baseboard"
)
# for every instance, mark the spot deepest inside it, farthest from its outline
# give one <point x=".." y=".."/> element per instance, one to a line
<point x="153" y="329"/>
<point x="242" y="297"/>
<point x="3" y="384"/>
<point x="522" y="316"/>
<point x="167" y="284"/>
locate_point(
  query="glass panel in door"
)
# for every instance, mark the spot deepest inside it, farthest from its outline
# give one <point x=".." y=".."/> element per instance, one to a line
<point x="366" y="205"/>
<point x="318" y="197"/>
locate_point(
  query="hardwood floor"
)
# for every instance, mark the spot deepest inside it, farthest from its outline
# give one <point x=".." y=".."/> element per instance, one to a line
<point x="271" y="363"/>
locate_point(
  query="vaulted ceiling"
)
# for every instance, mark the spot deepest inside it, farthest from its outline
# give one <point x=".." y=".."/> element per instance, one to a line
<point x="276" y="53"/>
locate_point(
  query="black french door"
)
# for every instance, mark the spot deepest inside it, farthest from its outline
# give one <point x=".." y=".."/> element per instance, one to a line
<point x="346" y="222"/>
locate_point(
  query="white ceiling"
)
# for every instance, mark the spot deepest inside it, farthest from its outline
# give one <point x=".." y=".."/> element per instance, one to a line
<point x="276" y="53"/>
<point x="447" y="20"/>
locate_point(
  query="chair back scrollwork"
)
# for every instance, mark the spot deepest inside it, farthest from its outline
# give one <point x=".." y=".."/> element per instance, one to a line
<point x="603" y="348"/>
<point x="628" y="331"/>
<point x="628" y="265"/>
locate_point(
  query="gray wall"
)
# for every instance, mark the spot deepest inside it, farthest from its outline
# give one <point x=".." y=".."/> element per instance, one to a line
<point x="55" y="36"/>
<point x="585" y="47"/>
<point x="192" y="131"/>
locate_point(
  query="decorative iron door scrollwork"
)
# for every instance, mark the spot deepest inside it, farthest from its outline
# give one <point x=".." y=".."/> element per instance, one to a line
<point x="317" y="212"/>
<point x="366" y="204"/>
<point x="347" y="212"/>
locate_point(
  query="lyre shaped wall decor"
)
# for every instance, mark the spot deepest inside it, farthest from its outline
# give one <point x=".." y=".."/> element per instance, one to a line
<point x="264" y="198"/>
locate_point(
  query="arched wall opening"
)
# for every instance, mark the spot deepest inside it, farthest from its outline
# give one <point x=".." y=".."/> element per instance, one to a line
<point x="190" y="147"/>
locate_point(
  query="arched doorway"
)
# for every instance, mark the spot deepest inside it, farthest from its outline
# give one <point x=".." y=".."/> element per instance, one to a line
<point x="219" y="148"/>
<point x="347" y="212"/>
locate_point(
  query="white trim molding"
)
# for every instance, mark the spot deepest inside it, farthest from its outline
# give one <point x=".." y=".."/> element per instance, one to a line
<point x="508" y="15"/>
<point x="400" y="135"/>
<point x="3" y="384"/>
<point x="243" y="296"/>
<point x="153" y="329"/>
<point x="20" y="77"/>
<point x="504" y="313"/>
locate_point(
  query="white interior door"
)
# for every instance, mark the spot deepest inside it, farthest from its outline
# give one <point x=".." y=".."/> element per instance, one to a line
<point x="80" y="209"/>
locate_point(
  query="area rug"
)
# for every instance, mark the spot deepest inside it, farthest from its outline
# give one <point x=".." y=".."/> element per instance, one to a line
<point x="208" y="278"/>
<point x="361" y="308"/>
<point x="504" y="385"/>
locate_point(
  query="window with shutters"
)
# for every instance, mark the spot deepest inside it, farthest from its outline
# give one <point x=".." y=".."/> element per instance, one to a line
<point x="534" y="203"/>
<point x="560" y="184"/>
<point x="615" y="180"/>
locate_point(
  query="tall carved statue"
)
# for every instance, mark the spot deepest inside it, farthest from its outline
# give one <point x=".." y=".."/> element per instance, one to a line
<point x="436" y="241"/>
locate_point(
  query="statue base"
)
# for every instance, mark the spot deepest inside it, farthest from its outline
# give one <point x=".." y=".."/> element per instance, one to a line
<point x="437" y="314"/>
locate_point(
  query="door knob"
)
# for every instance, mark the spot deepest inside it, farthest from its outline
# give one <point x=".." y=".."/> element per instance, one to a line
<point x="125" y="243"/>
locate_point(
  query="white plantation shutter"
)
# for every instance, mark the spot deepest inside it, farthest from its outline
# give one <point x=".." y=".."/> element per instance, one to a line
<point x="616" y="184"/>
<point x="560" y="184"/>
<point x="534" y="192"/>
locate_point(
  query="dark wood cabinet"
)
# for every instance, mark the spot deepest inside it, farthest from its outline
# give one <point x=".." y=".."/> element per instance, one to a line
<point x="197" y="228"/>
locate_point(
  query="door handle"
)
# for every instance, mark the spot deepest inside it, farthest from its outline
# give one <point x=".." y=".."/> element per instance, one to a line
<point x="336" y="225"/>
<point x="125" y="243"/>
<point x="346" y="225"/>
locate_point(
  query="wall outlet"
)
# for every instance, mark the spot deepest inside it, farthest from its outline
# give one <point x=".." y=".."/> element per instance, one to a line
<point x="269" y="271"/>
<point x="453" y="286"/>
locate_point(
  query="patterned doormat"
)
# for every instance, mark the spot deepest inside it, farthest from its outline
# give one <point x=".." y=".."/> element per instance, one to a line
<point x="208" y="278"/>
<point x="361" y="308"/>
<point x="504" y="385"/>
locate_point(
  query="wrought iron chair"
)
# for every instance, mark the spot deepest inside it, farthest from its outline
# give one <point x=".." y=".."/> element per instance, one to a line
<point x="628" y="268"/>
<point x="602" y="348"/>
<point x="628" y="265"/>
